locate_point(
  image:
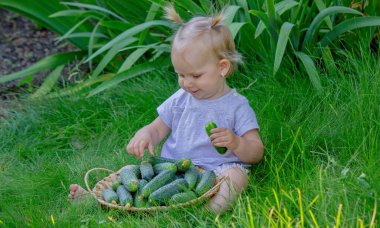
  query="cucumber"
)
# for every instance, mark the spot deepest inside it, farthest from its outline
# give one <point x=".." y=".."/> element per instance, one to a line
<point x="139" y="200"/>
<point x="183" y="164"/>
<point x="146" y="170"/>
<point x="110" y="196"/>
<point x="125" y="198"/>
<point x="191" y="176"/>
<point x="158" y="181"/>
<point x="158" y="168"/>
<point x="156" y="160"/>
<point x="206" y="182"/>
<point x="208" y="127"/>
<point x="129" y="179"/>
<point x="116" y="183"/>
<point x="182" y="197"/>
<point x="163" y="194"/>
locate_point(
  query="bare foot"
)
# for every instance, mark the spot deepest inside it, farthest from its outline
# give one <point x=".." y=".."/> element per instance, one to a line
<point x="77" y="192"/>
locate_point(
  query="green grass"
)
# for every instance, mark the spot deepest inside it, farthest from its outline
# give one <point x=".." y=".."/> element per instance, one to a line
<point x="322" y="152"/>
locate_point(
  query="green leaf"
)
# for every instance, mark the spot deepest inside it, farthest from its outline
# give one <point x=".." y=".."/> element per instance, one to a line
<point x="116" y="25"/>
<point x="329" y="61"/>
<point x="310" y="69"/>
<point x="321" y="6"/>
<point x="190" y="6"/>
<point x="149" y="17"/>
<point x="281" y="45"/>
<point x="94" y="7"/>
<point x="235" y="28"/>
<point x="66" y="35"/>
<point x="44" y="64"/>
<point x="111" y="54"/>
<point x="130" y="32"/>
<point x="230" y="13"/>
<point x="131" y="73"/>
<point x="48" y="83"/>
<point x="318" y="19"/>
<point x="348" y="25"/>
<point x="133" y="57"/>
<point x="280" y="8"/>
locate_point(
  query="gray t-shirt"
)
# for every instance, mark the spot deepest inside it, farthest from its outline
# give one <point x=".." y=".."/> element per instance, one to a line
<point x="187" y="116"/>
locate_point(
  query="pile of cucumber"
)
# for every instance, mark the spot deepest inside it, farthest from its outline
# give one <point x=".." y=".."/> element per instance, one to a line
<point x="159" y="181"/>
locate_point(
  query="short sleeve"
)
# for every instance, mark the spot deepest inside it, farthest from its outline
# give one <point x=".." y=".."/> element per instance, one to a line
<point x="165" y="110"/>
<point x="245" y="119"/>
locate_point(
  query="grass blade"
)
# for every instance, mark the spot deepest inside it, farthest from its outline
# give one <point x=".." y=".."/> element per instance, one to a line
<point x="130" y="32"/>
<point x="348" y="25"/>
<point x="310" y="69"/>
<point x="235" y="28"/>
<point x="48" y="83"/>
<point x="283" y="38"/>
<point x="131" y="73"/>
<point x="190" y="6"/>
<point x="230" y="13"/>
<point x="133" y="57"/>
<point x="94" y="7"/>
<point x="44" y="64"/>
<point x="321" y="6"/>
<point x="321" y="16"/>
<point x="111" y="54"/>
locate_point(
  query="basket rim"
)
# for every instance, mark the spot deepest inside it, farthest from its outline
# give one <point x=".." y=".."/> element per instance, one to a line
<point x="100" y="200"/>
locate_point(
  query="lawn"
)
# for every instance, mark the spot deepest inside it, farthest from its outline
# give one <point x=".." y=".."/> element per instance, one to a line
<point x="320" y="168"/>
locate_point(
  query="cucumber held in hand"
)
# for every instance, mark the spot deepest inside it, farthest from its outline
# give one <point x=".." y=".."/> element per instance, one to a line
<point x="208" y="127"/>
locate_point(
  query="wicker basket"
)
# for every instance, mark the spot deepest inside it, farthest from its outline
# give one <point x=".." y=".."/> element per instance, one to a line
<point x="106" y="182"/>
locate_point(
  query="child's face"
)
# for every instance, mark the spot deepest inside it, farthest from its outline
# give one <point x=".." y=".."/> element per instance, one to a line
<point x="199" y="70"/>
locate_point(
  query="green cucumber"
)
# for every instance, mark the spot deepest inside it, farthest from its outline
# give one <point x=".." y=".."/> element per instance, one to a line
<point x="129" y="179"/>
<point x="191" y="176"/>
<point x="208" y="127"/>
<point x="158" y="168"/>
<point x="116" y="183"/>
<point x="158" y="181"/>
<point x="125" y="198"/>
<point x="183" y="164"/>
<point x="182" y="197"/>
<point x="206" y="182"/>
<point x="146" y="170"/>
<point x="110" y="196"/>
<point x="163" y="194"/>
<point x="156" y="160"/>
<point x="139" y="200"/>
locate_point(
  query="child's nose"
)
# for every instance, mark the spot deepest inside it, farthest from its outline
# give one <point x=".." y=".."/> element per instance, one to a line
<point x="188" y="82"/>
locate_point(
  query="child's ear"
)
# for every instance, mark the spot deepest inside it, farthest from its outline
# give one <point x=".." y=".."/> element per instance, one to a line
<point x="224" y="66"/>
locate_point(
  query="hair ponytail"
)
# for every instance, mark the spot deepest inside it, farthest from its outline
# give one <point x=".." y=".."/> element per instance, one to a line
<point x="172" y="15"/>
<point x="216" y="20"/>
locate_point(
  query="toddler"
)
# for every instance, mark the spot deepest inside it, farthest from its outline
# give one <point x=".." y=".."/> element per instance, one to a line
<point x="203" y="55"/>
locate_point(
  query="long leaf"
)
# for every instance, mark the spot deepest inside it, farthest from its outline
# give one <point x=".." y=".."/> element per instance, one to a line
<point x="318" y="19"/>
<point x="131" y="73"/>
<point x="348" y="25"/>
<point x="130" y="32"/>
<point x="133" y="57"/>
<point x="230" y="13"/>
<point x="79" y="87"/>
<point x="149" y="17"/>
<point x="111" y="54"/>
<point x="280" y="8"/>
<point x="48" y="83"/>
<point x="44" y="64"/>
<point x="191" y="6"/>
<point x="281" y="44"/>
<point x="310" y="69"/>
<point x="235" y="28"/>
<point x="94" y="7"/>
<point x="321" y="6"/>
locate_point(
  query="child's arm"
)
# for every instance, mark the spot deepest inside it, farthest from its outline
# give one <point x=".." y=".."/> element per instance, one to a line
<point x="148" y="137"/>
<point x="249" y="147"/>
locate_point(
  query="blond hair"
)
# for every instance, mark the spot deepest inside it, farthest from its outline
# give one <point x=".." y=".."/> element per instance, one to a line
<point x="212" y="30"/>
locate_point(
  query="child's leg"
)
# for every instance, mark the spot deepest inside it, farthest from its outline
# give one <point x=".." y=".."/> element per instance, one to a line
<point x="77" y="191"/>
<point x="236" y="180"/>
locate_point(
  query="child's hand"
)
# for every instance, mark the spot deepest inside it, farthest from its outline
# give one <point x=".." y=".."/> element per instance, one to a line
<point x="224" y="137"/>
<point x="139" y="143"/>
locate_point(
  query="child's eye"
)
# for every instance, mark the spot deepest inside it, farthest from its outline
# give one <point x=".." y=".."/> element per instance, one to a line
<point x="181" y="75"/>
<point x="197" y="76"/>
